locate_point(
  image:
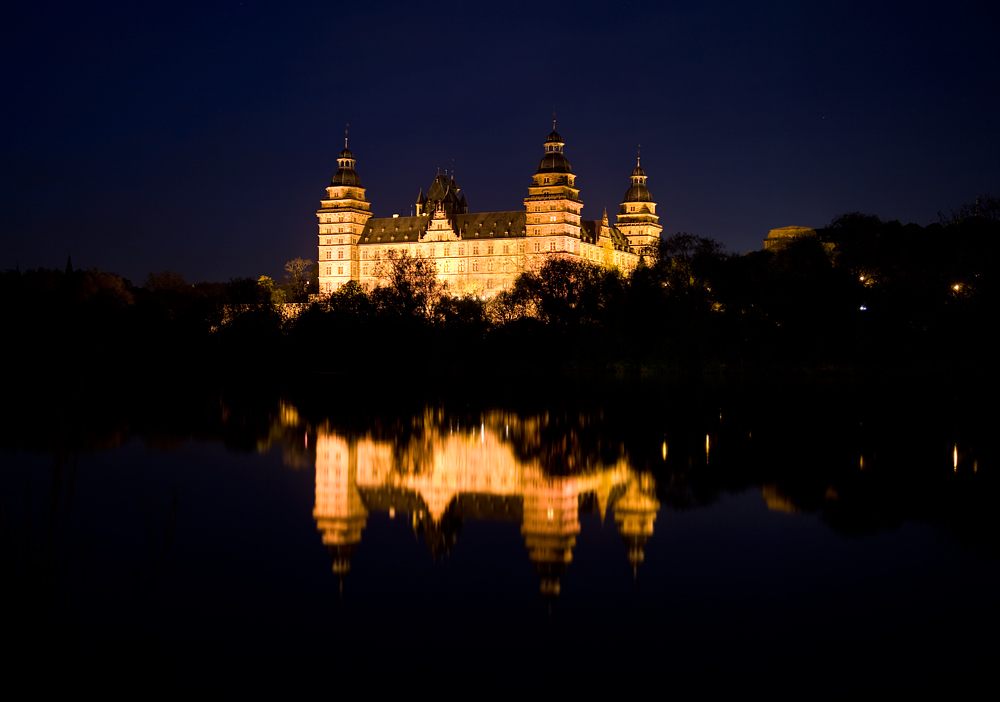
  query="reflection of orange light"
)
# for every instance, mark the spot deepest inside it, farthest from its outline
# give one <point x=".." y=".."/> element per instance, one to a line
<point x="956" y="287"/>
<point x="954" y="457"/>
<point x="664" y="450"/>
<point x="862" y="463"/>
<point x="706" y="448"/>
<point x="551" y="513"/>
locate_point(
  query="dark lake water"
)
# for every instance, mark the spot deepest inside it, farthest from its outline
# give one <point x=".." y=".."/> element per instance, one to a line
<point x="794" y="540"/>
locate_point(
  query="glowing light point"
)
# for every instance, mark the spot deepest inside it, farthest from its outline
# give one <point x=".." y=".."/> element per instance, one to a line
<point x="954" y="458"/>
<point x="664" y="450"/>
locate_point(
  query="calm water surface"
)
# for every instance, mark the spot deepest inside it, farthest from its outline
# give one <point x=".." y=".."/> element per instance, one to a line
<point x="800" y="542"/>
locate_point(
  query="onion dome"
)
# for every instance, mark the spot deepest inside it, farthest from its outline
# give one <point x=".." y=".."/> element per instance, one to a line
<point x="554" y="161"/>
<point x="346" y="174"/>
<point x="638" y="192"/>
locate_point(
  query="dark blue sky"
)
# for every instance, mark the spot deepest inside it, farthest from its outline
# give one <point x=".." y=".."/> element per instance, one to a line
<point x="199" y="139"/>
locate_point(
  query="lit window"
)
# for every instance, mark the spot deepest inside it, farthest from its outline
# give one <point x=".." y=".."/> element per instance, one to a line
<point x="340" y="253"/>
<point x="461" y="249"/>
<point x="364" y="269"/>
<point x="329" y="270"/>
<point x="329" y="254"/>
<point x="447" y="250"/>
<point x="552" y="246"/>
<point x="461" y="266"/>
<point x="475" y="266"/>
<point x="340" y="270"/>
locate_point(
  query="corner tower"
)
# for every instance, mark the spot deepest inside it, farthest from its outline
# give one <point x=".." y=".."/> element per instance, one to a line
<point x="553" y="203"/>
<point x="342" y="216"/>
<point x="637" y="218"/>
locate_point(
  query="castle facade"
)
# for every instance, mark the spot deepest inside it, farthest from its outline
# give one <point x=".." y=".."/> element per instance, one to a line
<point x="479" y="253"/>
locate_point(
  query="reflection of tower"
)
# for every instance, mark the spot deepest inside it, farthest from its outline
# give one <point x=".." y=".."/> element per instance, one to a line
<point x="340" y="515"/>
<point x="550" y="527"/>
<point x="635" y="512"/>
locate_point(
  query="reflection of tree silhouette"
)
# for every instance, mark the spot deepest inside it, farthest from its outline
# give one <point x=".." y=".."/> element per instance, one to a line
<point x="440" y="535"/>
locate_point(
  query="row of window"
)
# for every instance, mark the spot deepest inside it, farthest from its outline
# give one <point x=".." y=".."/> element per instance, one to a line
<point x="490" y="266"/>
<point x="491" y="249"/>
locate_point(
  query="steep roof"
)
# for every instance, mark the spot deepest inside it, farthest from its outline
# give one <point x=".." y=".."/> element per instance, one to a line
<point x="590" y="229"/>
<point x="469" y="226"/>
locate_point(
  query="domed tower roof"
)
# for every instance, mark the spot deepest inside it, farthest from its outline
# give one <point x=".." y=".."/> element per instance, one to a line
<point x="554" y="161"/>
<point x="346" y="174"/>
<point x="638" y="192"/>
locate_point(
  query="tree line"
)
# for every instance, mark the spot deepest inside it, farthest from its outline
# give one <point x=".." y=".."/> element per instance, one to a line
<point x="863" y="292"/>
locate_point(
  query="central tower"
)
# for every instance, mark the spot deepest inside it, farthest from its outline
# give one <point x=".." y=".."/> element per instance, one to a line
<point x="553" y="203"/>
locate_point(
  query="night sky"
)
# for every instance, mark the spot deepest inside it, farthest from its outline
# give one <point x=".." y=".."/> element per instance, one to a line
<point x="152" y="136"/>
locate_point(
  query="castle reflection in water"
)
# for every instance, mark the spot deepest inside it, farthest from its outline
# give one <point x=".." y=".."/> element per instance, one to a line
<point x="442" y="474"/>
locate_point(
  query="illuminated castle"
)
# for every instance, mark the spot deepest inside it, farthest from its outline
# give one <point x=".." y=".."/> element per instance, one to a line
<point x="443" y="477"/>
<point x="480" y="253"/>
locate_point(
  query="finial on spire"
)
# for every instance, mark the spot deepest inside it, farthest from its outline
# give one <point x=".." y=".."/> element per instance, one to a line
<point x="553" y="119"/>
<point x="638" y="153"/>
<point x="347" y="126"/>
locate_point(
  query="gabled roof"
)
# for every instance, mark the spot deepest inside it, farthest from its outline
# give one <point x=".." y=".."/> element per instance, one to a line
<point x="590" y="229"/>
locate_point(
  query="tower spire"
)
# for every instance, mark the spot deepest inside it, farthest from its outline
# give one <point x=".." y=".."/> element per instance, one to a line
<point x="346" y="127"/>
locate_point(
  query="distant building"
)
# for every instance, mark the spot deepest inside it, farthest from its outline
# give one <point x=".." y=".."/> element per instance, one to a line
<point x="778" y="238"/>
<point x="480" y="253"/>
